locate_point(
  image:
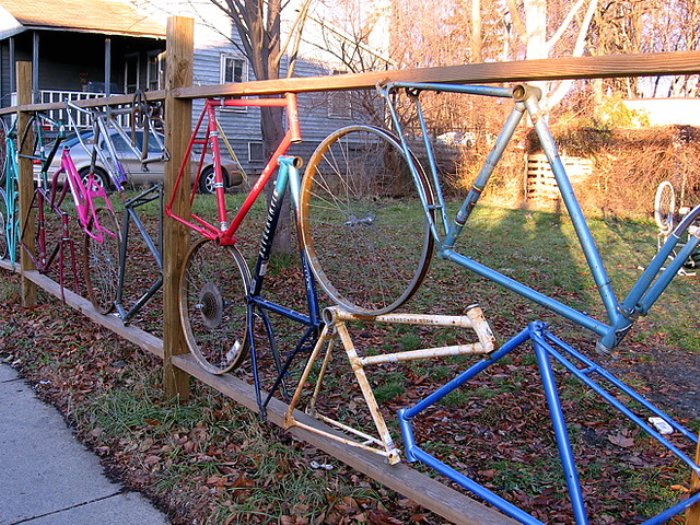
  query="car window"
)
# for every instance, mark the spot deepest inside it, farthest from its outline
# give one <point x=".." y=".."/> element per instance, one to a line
<point x="153" y="146"/>
<point x="123" y="148"/>
<point x="120" y="145"/>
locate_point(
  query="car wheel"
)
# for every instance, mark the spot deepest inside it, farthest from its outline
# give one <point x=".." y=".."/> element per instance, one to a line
<point x="100" y="177"/>
<point x="206" y="180"/>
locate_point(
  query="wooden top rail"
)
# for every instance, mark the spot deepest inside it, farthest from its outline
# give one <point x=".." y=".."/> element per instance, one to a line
<point x="647" y="64"/>
<point x="113" y="100"/>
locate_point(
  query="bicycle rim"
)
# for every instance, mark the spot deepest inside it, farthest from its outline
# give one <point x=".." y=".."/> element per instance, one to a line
<point x="213" y="308"/>
<point x="101" y="261"/>
<point x="363" y="226"/>
<point x="664" y="206"/>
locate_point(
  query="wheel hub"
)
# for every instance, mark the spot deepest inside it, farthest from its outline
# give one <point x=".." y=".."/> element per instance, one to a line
<point x="211" y="305"/>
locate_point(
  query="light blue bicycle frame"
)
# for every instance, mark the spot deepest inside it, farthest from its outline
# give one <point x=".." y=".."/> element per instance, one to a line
<point x="547" y="347"/>
<point x="620" y="315"/>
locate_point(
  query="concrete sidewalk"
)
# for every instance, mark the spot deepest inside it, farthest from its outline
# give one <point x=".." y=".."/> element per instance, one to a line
<point x="47" y="477"/>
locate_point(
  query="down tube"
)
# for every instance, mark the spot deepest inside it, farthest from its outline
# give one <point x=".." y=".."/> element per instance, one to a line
<point x="595" y="263"/>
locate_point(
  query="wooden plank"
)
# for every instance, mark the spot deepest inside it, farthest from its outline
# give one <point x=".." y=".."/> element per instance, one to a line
<point x="431" y="494"/>
<point x="178" y="126"/>
<point x="5" y="265"/>
<point x="144" y="340"/>
<point x="112" y="100"/>
<point x="26" y="180"/>
<point x="648" y="64"/>
<point x="692" y="516"/>
<point x="634" y="65"/>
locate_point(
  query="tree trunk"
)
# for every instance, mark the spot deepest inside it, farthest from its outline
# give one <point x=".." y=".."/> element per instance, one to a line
<point x="476" y="31"/>
<point x="273" y="133"/>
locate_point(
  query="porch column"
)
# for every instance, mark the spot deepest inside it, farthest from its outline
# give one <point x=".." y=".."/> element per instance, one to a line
<point x="13" y="77"/>
<point x="35" y="67"/>
<point x="108" y="66"/>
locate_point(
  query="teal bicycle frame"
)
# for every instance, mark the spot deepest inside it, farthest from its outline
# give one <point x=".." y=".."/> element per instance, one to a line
<point x="620" y="314"/>
<point x="10" y="195"/>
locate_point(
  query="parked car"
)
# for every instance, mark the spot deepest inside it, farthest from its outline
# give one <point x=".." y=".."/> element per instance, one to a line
<point x="467" y="139"/>
<point x="458" y="138"/>
<point x="138" y="173"/>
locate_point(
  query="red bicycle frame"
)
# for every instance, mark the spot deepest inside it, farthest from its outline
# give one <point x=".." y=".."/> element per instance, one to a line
<point x="223" y="233"/>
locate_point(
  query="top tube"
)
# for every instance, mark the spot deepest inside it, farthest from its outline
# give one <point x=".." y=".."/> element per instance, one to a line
<point x="487" y="91"/>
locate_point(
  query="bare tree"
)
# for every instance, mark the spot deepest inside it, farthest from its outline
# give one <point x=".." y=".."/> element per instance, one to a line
<point x="347" y="38"/>
<point x="259" y="27"/>
<point x="531" y="21"/>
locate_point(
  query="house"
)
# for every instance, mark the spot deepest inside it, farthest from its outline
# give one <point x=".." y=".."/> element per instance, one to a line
<point x="86" y="48"/>
<point x="668" y="111"/>
<point x="218" y="58"/>
<point x="78" y="49"/>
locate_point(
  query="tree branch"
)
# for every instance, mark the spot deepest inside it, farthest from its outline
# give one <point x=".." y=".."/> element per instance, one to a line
<point x="297" y="29"/>
<point x="564" y="87"/>
<point x="564" y="25"/>
<point x="517" y="21"/>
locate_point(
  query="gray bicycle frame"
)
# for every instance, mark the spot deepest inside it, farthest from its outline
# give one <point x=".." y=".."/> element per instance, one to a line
<point x="620" y="315"/>
<point x="102" y="123"/>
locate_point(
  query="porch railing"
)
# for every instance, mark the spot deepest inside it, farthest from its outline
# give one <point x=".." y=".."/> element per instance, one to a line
<point x="81" y="119"/>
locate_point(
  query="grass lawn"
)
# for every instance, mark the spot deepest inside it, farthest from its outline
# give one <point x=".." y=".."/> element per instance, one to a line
<point x="213" y="462"/>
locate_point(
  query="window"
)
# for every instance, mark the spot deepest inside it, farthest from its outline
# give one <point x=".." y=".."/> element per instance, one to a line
<point x="339" y="102"/>
<point x="255" y="152"/>
<point x="131" y="73"/>
<point x="155" y="70"/>
<point x="233" y="69"/>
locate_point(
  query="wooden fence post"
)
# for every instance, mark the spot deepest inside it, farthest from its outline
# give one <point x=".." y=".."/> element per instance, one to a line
<point x="178" y="126"/>
<point x="26" y="181"/>
<point x="692" y="517"/>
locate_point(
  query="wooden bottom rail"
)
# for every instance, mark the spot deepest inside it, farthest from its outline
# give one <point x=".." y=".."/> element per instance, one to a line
<point x="140" y="338"/>
<point x="402" y="478"/>
<point x="426" y="491"/>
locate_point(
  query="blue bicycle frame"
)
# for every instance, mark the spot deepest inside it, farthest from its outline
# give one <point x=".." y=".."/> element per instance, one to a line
<point x="620" y="314"/>
<point x="258" y="306"/>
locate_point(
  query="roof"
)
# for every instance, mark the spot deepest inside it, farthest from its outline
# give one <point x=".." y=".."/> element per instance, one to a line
<point x="116" y="17"/>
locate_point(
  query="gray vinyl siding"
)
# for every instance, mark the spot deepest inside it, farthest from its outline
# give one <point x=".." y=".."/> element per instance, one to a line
<point x="4" y="74"/>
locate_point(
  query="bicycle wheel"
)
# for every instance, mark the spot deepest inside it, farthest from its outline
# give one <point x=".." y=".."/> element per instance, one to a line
<point x="363" y="225"/>
<point x="664" y="206"/>
<point x="43" y="241"/>
<point x="101" y="261"/>
<point x="4" y="226"/>
<point x="213" y="308"/>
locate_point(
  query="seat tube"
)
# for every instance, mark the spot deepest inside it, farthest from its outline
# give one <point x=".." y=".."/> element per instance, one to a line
<point x="218" y="178"/>
<point x="485" y="174"/>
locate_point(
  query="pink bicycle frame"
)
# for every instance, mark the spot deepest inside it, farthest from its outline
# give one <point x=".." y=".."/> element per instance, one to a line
<point x="224" y="233"/>
<point x="83" y="197"/>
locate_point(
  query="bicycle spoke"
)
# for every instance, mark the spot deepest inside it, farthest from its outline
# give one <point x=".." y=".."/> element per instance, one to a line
<point x="101" y="260"/>
<point x="351" y="221"/>
<point x="213" y="305"/>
